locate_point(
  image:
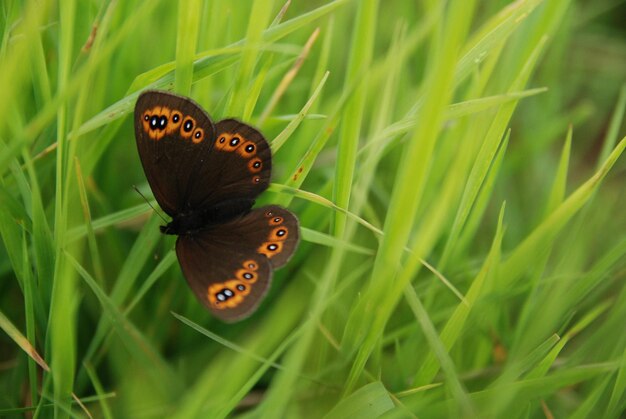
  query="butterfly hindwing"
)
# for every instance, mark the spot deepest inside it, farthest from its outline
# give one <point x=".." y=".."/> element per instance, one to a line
<point x="229" y="266"/>
<point x="228" y="281"/>
<point x="278" y="233"/>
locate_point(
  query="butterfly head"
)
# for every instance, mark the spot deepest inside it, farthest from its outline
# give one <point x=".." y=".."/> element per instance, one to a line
<point x="186" y="223"/>
<point x="168" y="229"/>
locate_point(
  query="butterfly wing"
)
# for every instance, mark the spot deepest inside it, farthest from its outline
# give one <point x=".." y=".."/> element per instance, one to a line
<point x="172" y="133"/>
<point x="239" y="166"/>
<point x="229" y="267"/>
<point x="191" y="163"/>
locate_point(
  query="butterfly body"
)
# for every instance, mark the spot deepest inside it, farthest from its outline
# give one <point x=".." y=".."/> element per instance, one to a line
<point x="206" y="176"/>
<point x="192" y="222"/>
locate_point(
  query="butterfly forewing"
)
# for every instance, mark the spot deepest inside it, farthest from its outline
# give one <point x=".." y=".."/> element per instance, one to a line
<point x="173" y="138"/>
<point x="229" y="267"/>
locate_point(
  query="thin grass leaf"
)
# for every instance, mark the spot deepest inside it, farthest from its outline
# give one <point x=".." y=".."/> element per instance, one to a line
<point x="127" y="215"/>
<point x="539" y="240"/>
<point x="350" y="127"/>
<point x="286" y="133"/>
<point x="556" y="197"/>
<point x="22" y="342"/>
<point x="91" y="238"/>
<point x="543" y="367"/>
<point x="288" y="77"/>
<point x="526" y="389"/>
<point x="164" y="265"/>
<point x="100" y="394"/>
<point x="370" y="401"/>
<point x="613" y="131"/>
<point x="487" y="152"/>
<point x="189" y="14"/>
<point x="455" y="324"/>
<point x="619" y="389"/>
<point x="314" y="236"/>
<point x="439" y="349"/>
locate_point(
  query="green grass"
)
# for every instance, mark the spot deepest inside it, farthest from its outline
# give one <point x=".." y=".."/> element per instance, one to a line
<point x="455" y="167"/>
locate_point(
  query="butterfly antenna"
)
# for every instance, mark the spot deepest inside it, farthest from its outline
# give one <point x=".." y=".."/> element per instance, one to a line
<point x="148" y="202"/>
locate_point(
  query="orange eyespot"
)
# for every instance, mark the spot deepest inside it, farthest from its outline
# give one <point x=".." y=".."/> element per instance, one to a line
<point x="233" y="143"/>
<point x="246" y="276"/>
<point x="255" y="165"/>
<point x="176" y="119"/>
<point x="186" y="128"/>
<point x="221" y="141"/>
<point x="274" y="221"/>
<point x="251" y="265"/>
<point x="156" y="122"/>
<point x="228" y="294"/>
<point x="198" y="136"/>
<point x="278" y="234"/>
<point x="145" y="120"/>
<point x="270" y="249"/>
<point x="247" y="149"/>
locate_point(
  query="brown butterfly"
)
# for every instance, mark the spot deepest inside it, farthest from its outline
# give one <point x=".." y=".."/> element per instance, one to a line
<point x="206" y="177"/>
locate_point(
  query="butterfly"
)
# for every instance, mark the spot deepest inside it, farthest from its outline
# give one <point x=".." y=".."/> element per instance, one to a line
<point x="206" y="176"/>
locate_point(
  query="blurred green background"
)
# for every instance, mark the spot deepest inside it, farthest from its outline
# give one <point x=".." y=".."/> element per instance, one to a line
<point x="455" y="166"/>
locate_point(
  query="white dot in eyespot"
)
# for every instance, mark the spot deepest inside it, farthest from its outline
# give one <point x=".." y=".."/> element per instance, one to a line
<point x="228" y="293"/>
<point x="220" y="296"/>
